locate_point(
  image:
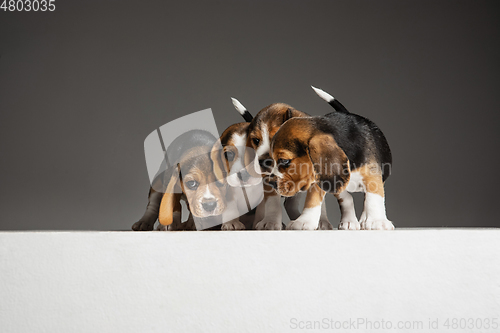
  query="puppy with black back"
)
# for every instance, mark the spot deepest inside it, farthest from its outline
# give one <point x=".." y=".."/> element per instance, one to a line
<point x="338" y="153"/>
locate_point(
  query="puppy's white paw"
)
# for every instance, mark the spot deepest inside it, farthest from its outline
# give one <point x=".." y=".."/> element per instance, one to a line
<point x="382" y="224"/>
<point x="347" y="225"/>
<point x="266" y="224"/>
<point x="325" y="225"/>
<point x="143" y="226"/>
<point x="233" y="225"/>
<point x="303" y="224"/>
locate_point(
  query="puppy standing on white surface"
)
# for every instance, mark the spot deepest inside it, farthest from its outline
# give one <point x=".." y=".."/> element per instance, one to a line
<point x="260" y="133"/>
<point x="338" y="153"/>
<point x="228" y="158"/>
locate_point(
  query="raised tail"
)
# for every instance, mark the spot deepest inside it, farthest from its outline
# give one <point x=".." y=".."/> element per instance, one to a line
<point x="331" y="100"/>
<point x="242" y="110"/>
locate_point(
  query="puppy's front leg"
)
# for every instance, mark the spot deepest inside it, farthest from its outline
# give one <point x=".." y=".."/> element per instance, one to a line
<point x="235" y="208"/>
<point x="348" y="219"/>
<point x="233" y="225"/>
<point x="271" y="208"/>
<point x="189" y="225"/>
<point x="178" y="225"/>
<point x="309" y="219"/>
<point x="324" y="223"/>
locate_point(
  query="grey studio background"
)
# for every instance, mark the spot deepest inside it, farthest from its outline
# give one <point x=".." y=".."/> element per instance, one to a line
<point x="82" y="87"/>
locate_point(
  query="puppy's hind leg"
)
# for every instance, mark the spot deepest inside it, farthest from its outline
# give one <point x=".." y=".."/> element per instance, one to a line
<point x="374" y="211"/>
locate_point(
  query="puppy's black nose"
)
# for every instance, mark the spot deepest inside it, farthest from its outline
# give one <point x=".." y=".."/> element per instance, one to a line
<point x="266" y="163"/>
<point x="243" y="175"/>
<point x="209" y="205"/>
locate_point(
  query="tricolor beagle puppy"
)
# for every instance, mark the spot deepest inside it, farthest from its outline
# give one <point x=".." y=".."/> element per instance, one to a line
<point x="190" y="178"/>
<point x="229" y="164"/>
<point x="259" y="135"/>
<point x="231" y="140"/>
<point x="338" y="153"/>
<point x="194" y="180"/>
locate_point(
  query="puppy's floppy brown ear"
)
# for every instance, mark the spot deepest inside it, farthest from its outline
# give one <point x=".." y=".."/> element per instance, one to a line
<point x="220" y="169"/>
<point x="172" y="197"/>
<point x="330" y="163"/>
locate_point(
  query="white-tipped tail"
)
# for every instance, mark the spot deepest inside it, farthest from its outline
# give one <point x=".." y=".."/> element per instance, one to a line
<point x="323" y="94"/>
<point x="238" y="106"/>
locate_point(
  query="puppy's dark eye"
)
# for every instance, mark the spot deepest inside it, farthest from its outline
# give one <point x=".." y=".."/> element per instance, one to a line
<point x="192" y="184"/>
<point x="256" y="141"/>
<point x="220" y="184"/>
<point x="284" y="163"/>
<point x="229" y="155"/>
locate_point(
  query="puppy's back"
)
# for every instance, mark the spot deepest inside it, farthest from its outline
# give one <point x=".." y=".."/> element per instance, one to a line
<point x="360" y="138"/>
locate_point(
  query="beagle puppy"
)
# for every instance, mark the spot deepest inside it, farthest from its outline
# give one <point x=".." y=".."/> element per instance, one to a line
<point x="191" y="178"/>
<point x="338" y="153"/>
<point x="229" y="165"/>
<point x="259" y="135"/>
<point x="194" y="179"/>
<point x="228" y="158"/>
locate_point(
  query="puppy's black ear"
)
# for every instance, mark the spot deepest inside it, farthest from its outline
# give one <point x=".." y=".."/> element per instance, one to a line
<point x="288" y="114"/>
<point x="330" y="163"/>
<point x="220" y="165"/>
<point x="171" y="199"/>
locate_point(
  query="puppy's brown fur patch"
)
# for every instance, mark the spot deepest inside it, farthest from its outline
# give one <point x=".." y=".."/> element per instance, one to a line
<point x="372" y="178"/>
<point x="315" y="152"/>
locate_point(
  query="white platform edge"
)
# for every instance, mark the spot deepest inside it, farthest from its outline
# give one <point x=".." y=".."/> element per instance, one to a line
<point x="247" y="281"/>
